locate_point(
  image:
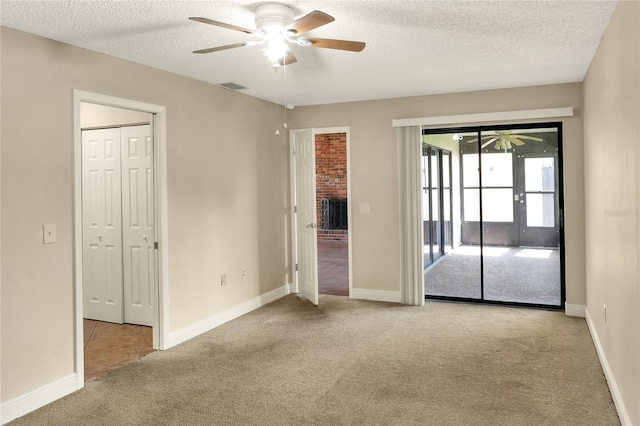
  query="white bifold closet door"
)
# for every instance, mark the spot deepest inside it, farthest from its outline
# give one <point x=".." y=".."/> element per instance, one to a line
<point x="118" y="225"/>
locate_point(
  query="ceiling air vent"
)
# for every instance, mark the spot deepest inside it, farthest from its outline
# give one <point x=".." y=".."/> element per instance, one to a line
<point x="231" y="86"/>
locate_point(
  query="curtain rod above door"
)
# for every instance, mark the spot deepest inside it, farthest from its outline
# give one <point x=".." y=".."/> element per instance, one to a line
<point x="530" y="114"/>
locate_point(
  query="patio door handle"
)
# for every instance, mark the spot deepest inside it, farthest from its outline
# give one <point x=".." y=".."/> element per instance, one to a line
<point x="311" y="225"/>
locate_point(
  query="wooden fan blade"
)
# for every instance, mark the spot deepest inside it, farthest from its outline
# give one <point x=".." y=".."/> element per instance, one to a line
<point x="530" y="138"/>
<point x="228" y="46"/>
<point x="352" y="46"/>
<point x="515" y="140"/>
<point x="484" y="145"/>
<point x="224" y="25"/>
<point x="309" y="22"/>
<point x="288" y="60"/>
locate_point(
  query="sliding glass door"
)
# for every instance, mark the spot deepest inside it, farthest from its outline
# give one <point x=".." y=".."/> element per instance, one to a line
<point x="504" y="223"/>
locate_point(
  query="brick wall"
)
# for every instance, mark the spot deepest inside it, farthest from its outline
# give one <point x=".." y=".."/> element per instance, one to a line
<point x="331" y="179"/>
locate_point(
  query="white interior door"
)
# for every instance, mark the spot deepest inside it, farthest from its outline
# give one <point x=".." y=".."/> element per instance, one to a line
<point x="305" y="220"/>
<point x="138" y="225"/>
<point x="102" y="230"/>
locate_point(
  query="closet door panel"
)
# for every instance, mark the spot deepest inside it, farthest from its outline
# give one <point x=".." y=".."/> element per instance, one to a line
<point x="102" y="228"/>
<point x="138" y="225"/>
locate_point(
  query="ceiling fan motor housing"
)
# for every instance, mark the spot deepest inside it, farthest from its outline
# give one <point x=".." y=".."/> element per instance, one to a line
<point x="272" y="17"/>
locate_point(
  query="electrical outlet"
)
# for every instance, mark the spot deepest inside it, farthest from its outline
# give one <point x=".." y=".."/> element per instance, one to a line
<point x="604" y="312"/>
<point x="223" y="279"/>
<point x="243" y="273"/>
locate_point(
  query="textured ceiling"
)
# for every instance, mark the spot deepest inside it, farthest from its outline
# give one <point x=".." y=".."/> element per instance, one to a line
<point x="413" y="47"/>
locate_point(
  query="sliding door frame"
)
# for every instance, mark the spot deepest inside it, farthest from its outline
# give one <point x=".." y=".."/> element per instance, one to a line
<point x="479" y="129"/>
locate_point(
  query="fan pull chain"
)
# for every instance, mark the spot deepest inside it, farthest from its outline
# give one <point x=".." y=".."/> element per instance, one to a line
<point x="275" y="70"/>
<point x="284" y="89"/>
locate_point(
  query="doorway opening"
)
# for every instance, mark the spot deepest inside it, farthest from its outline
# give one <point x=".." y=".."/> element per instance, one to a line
<point x="118" y="236"/>
<point x="492" y="214"/>
<point x="320" y="213"/>
<point x="120" y="232"/>
<point x="332" y="213"/>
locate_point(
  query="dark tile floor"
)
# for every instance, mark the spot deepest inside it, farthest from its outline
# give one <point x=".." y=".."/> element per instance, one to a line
<point x="108" y="346"/>
<point x="333" y="269"/>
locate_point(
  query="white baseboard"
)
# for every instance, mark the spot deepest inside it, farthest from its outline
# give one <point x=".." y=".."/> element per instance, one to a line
<point x="571" y="310"/>
<point x="217" y="320"/>
<point x="37" y="398"/>
<point x="377" y="295"/>
<point x="611" y="380"/>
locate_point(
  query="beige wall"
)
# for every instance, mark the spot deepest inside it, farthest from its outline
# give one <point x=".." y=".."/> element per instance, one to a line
<point x="376" y="263"/>
<point x="612" y="174"/>
<point x="227" y="197"/>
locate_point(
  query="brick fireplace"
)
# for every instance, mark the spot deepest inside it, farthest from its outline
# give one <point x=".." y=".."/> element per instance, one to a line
<point x="331" y="188"/>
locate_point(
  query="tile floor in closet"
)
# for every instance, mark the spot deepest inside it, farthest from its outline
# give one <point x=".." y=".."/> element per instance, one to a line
<point x="109" y="346"/>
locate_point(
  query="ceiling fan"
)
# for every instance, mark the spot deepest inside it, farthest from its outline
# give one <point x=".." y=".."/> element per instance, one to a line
<point x="504" y="139"/>
<point x="276" y="25"/>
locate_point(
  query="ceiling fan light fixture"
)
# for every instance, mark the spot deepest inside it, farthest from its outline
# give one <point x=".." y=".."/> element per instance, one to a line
<point x="276" y="49"/>
<point x="275" y="55"/>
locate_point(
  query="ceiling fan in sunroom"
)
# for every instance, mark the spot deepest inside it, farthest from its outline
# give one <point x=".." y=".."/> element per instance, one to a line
<point x="277" y="27"/>
<point x="504" y="140"/>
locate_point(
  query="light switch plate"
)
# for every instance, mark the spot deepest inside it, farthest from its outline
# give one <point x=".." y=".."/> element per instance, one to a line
<point x="49" y="234"/>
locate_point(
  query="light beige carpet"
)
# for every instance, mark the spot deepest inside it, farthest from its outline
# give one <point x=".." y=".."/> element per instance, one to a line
<point x="351" y="362"/>
<point x="511" y="274"/>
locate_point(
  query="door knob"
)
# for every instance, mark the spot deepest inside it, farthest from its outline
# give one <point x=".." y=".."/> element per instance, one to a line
<point x="145" y="238"/>
<point x="100" y="237"/>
